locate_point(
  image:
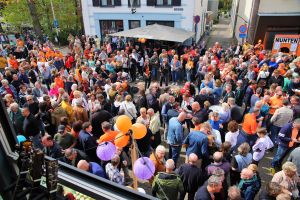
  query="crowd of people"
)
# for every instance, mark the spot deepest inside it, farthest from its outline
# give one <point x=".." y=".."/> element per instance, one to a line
<point x="226" y="107"/>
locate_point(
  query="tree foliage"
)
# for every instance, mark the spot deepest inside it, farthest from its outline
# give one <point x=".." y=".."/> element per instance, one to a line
<point x="17" y="15"/>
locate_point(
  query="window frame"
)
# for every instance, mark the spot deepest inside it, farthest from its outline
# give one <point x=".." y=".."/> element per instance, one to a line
<point x="129" y="23"/>
<point x="137" y="6"/>
<point x="164" y="5"/>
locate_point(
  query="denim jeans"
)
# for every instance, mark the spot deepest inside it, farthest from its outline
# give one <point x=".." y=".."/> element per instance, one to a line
<point x="274" y="133"/>
<point x="174" y="152"/>
<point x="279" y="156"/>
<point x="188" y="75"/>
<point x="174" y="76"/>
<point x="154" y="73"/>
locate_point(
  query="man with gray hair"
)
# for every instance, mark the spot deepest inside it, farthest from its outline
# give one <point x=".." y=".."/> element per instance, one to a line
<point x="234" y="193"/>
<point x="16" y="117"/>
<point x="39" y="90"/>
<point x="167" y="185"/>
<point x="207" y="192"/>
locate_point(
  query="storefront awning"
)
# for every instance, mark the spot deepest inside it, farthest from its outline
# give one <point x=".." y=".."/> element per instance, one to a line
<point x="156" y="32"/>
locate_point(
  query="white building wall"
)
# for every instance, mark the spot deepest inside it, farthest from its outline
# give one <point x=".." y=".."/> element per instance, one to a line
<point x="213" y="5"/>
<point x="279" y="6"/>
<point x="182" y="16"/>
<point x="244" y="12"/>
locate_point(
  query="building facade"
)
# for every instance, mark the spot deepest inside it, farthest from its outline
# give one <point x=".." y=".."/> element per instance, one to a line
<point x="265" y="19"/>
<point x="103" y="17"/>
<point x="213" y="5"/>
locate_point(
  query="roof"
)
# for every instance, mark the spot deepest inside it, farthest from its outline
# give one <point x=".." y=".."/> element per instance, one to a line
<point x="156" y="32"/>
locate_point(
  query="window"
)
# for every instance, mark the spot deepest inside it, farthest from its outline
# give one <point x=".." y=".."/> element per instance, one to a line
<point x="134" y="24"/>
<point x="136" y="3"/>
<point x="165" y="23"/>
<point x="163" y="2"/>
<point x="107" y="3"/>
<point x="110" y="26"/>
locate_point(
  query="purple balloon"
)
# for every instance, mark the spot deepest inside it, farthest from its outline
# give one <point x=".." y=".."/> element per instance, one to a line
<point x="106" y="150"/>
<point x="143" y="168"/>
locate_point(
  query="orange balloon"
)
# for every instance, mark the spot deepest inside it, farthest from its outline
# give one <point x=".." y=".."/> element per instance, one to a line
<point x="139" y="130"/>
<point x="123" y="123"/>
<point x="121" y="139"/>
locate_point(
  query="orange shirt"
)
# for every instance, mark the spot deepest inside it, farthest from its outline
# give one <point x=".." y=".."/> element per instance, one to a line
<point x="14" y="63"/>
<point x="108" y="137"/>
<point x="250" y="124"/>
<point x="50" y="54"/>
<point x="59" y="82"/>
<point x="275" y="101"/>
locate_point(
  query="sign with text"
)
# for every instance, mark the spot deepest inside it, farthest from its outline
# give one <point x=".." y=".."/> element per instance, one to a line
<point x="286" y="44"/>
<point x="242" y="35"/>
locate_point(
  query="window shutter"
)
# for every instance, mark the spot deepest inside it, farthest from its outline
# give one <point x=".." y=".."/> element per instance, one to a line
<point x="117" y="2"/>
<point x="150" y="2"/>
<point x="96" y="3"/>
<point x="176" y="2"/>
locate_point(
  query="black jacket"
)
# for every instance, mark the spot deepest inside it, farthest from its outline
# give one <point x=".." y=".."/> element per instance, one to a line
<point x="191" y="176"/>
<point x="97" y="118"/>
<point x="203" y="194"/>
<point x="31" y="126"/>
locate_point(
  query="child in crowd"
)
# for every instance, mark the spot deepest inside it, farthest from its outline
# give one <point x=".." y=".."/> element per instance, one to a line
<point x="261" y="145"/>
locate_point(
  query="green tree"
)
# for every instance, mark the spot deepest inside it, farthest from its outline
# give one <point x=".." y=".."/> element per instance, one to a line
<point x="17" y="15"/>
<point x="66" y="12"/>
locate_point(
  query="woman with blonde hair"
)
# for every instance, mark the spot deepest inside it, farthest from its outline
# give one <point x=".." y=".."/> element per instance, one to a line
<point x="143" y="118"/>
<point x="129" y="108"/>
<point x="288" y="179"/>
<point x="78" y="95"/>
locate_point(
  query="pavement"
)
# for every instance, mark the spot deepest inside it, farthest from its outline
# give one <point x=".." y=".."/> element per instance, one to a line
<point x="221" y="33"/>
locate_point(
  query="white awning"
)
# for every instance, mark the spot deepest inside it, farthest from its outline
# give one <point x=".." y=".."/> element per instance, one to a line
<point x="156" y="32"/>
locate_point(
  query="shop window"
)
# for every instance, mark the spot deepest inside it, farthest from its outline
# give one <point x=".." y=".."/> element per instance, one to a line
<point x="165" y="23"/>
<point x="110" y="26"/>
<point x="134" y="24"/>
